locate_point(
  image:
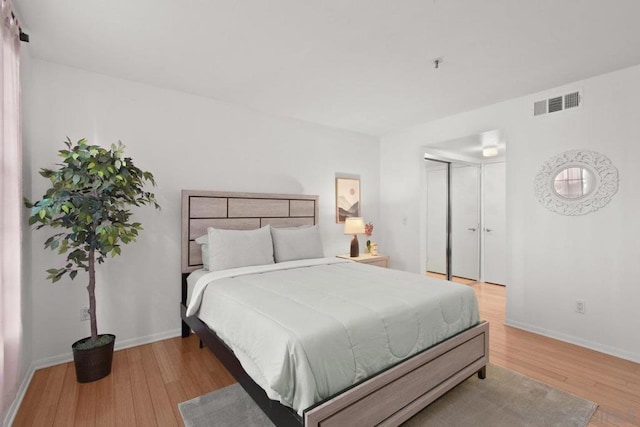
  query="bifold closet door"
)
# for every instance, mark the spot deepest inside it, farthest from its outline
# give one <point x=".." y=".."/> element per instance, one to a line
<point x="495" y="240"/>
<point x="465" y="222"/>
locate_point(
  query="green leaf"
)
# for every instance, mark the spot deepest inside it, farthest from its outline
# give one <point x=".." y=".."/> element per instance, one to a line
<point x="89" y="197"/>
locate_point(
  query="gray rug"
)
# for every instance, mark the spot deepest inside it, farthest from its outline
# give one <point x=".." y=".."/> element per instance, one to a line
<point x="504" y="398"/>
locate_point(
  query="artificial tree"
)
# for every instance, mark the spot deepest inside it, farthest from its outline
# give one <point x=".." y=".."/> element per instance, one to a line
<point x="92" y="191"/>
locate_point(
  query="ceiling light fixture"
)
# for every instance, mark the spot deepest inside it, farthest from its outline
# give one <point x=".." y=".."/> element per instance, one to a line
<point x="490" y="151"/>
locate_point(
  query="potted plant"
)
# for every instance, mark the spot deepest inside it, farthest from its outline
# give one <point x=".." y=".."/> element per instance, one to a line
<point x="92" y="191"/>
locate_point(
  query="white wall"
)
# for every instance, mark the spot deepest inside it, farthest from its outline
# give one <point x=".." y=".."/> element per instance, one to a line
<point x="553" y="260"/>
<point x="27" y="325"/>
<point x="187" y="142"/>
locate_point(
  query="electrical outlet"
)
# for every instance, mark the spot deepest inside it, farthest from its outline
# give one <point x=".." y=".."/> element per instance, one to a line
<point x="84" y="314"/>
<point x="580" y="306"/>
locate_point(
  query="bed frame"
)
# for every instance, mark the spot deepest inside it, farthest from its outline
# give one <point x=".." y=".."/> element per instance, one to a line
<point x="388" y="398"/>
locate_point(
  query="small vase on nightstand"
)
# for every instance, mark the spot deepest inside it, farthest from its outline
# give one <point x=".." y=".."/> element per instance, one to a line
<point x="368" y="230"/>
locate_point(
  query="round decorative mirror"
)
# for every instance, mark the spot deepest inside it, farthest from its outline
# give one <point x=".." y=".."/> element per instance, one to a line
<point x="576" y="182"/>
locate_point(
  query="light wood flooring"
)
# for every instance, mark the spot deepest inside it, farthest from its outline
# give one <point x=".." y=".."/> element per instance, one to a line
<point x="148" y="382"/>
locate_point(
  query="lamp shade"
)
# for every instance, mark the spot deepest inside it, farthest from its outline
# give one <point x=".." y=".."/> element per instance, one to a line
<point x="354" y="225"/>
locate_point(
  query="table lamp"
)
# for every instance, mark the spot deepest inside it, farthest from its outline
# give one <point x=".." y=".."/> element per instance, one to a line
<point x="355" y="226"/>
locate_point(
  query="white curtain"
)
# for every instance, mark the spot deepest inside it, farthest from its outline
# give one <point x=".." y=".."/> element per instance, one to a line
<point x="10" y="209"/>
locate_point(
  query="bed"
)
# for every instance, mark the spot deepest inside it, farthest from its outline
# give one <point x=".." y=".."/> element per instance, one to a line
<point x="412" y="375"/>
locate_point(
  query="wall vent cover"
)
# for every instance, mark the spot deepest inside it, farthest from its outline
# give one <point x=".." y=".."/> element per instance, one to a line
<point x="572" y="100"/>
<point x="540" y="107"/>
<point x="555" y="104"/>
<point x="558" y="103"/>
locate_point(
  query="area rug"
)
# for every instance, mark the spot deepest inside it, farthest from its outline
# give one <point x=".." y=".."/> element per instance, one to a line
<point x="504" y="398"/>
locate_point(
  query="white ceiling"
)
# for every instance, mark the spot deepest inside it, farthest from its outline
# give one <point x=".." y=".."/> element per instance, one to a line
<point x="363" y="65"/>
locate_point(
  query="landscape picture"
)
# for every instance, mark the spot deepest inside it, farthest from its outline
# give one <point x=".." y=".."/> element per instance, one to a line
<point x="347" y="198"/>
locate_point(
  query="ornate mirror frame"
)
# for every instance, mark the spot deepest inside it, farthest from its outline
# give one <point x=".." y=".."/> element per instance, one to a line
<point x="606" y="182"/>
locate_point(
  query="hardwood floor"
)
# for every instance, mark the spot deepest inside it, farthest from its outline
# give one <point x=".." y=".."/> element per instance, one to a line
<point x="613" y="383"/>
<point x="148" y="382"/>
<point x="144" y="388"/>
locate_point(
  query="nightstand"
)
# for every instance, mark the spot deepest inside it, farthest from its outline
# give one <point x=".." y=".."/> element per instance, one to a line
<point x="379" y="260"/>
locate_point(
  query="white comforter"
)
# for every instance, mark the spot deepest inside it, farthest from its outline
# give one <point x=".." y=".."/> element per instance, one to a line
<point x="305" y="330"/>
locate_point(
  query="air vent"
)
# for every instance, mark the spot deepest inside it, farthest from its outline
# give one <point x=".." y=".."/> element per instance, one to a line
<point x="572" y="100"/>
<point x="558" y="103"/>
<point x="540" y="107"/>
<point x="555" y="104"/>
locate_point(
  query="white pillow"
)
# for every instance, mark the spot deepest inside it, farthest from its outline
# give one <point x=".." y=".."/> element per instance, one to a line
<point x="205" y="256"/>
<point x="203" y="241"/>
<point x="290" y="244"/>
<point x="239" y="248"/>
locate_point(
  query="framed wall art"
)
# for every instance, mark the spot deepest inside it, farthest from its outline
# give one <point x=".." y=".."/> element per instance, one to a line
<point x="347" y="198"/>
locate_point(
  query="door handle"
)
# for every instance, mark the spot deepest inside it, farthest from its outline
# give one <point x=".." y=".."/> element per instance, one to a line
<point x="488" y="230"/>
<point x="471" y="229"/>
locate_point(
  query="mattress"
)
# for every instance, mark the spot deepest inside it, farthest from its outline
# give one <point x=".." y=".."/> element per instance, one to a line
<point x="305" y="330"/>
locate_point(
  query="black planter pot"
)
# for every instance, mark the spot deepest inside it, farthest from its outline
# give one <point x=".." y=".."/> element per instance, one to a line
<point x="94" y="363"/>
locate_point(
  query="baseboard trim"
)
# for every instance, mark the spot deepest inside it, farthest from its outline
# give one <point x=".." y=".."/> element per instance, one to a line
<point x="64" y="358"/>
<point x="13" y="408"/>
<point x="612" y="351"/>
<point x="120" y="345"/>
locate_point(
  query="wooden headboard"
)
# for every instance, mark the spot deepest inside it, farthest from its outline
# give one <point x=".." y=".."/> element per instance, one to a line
<point x="238" y="211"/>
